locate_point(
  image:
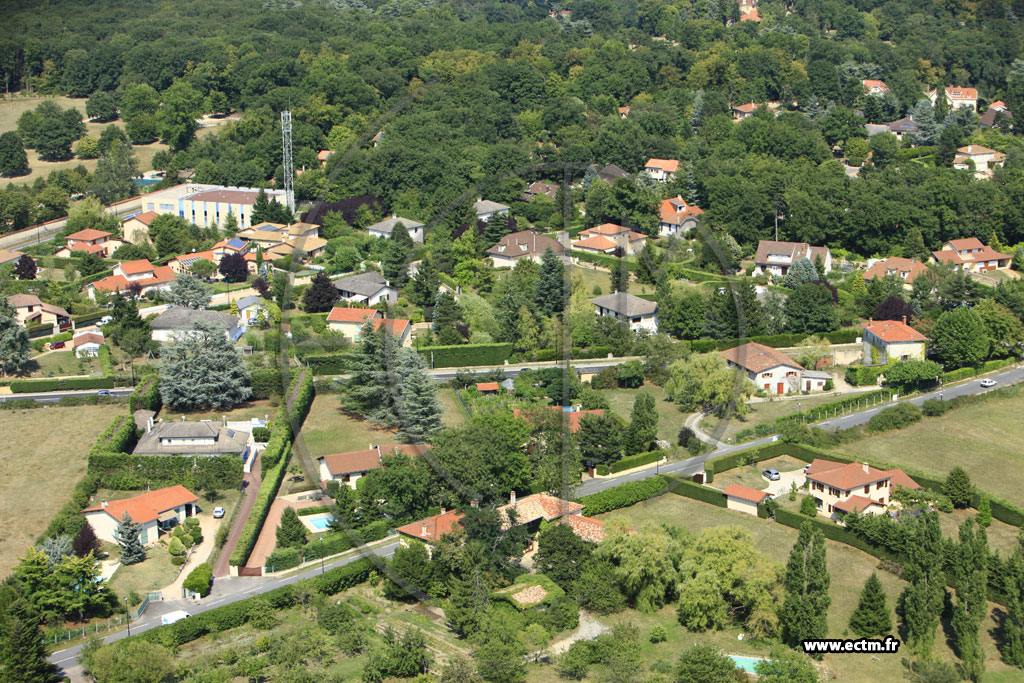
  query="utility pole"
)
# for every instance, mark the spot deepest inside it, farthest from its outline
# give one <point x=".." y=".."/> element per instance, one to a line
<point x="286" y="159"/>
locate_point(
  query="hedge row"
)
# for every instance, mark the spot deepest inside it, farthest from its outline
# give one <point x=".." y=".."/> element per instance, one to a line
<point x="465" y="355"/>
<point x="685" y="487"/>
<point x="327" y="545"/>
<point x="302" y="393"/>
<point x="624" y="495"/>
<point x="86" y="318"/>
<point x="575" y="353"/>
<point x="326" y="363"/>
<point x="600" y="259"/>
<point x="964" y="373"/>
<point x="267" y="383"/>
<point x="31" y="386"/>
<point x="146" y="396"/>
<point x="235" y="614"/>
<point x="775" y="341"/>
<point x="822" y="412"/>
<point x="121" y="471"/>
<point x="319" y="510"/>
<point x="831" y="531"/>
<point x="631" y="461"/>
<point x="105" y="364"/>
<point x="272" y="478"/>
<point x="118" y="437"/>
<point x="863" y="375"/>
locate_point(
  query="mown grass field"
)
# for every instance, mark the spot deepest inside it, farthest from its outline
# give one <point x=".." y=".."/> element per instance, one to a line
<point x="762" y="412"/>
<point x="983" y="438"/>
<point x="329" y="429"/>
<point x="41" y="460"/>
<point x="454" y="414"/>
<point x="849" y="569"/>
<point x="670" y="420"/>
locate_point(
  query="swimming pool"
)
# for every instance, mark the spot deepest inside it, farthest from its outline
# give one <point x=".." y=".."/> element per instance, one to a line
<point x="748" y="664"/>
<point x="320" y="522"/>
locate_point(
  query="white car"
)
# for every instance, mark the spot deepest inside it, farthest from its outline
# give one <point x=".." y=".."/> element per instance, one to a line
<point x="218" y="512"/>
<point x="988" y="383"/>
<point x="174" y="617"/>
<point x="105" y="319"/>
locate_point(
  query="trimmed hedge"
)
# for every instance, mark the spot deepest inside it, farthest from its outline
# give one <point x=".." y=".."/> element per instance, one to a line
<point x="776" y="341"/>
<point x="146" y="396"/>
<point x="105" y="364"/>
<point x="972" y="371"/>
<point x="326" y="363"/>
<point x="600" y="259"/>
<point x="301" y="389"/>
<point x="234" y="615"/>
<point x="637" y="460"/>
<point x="272" y="477"/>
<point x="688" y="489"/>
<point x="678" y="270"/>
<point x="303" y="512"/>
<point x="625" y="495"/>
<point x="283" y="558"/>
<point x="121" y="471"/>
<point x="31" y="386"/>
<point x="39" y="343"/>
<point x="465" y="355"/>
<point x="863" y="375"/>
<point x="813" y="415"/>
<point x="118" y="437"/>
<point x="833" y="532"/>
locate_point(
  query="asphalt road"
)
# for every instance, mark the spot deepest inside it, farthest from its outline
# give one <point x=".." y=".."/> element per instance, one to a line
<point x="694" y="465"/>
<point x="225" y="591"/>
<point x="52" y="396"/>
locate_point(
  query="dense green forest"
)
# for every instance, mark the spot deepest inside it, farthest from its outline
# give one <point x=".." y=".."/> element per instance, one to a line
<point x="464" y="92"/>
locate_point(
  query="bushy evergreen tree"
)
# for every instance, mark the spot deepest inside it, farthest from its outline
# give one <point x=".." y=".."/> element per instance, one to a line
<point x="419" y="410"/>
<point x="128" y="535"/>
<point x="447" y="314"/>
<point x="800" y="273"/>
<point x="804" y="612"/>
<point x="643" y="424"/>
<point x="970" y="560"/>
<point x="292" y="532"/>
<point x="553" y="285"/>
<point x="14" y="345"/>
<point x="201" y="369"/>
<point x="871" y="619"/>
<point x="920" y="605"/>
<point x="189" y="292"/>
<point x="958" y="487"/>
<point x="1012" y="645"/>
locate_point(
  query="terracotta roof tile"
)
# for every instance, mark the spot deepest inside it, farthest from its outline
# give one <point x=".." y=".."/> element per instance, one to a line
<point x="908" y="269"/>
<point x="433" y="528"/>
<point x="352" y="462"/>
<point x="844" y="476"/>
<point x="136" y="267"/>
<point x="87" y="235"/>
<point x="893" y="331"/>
<point x="145" y="217"/>
<point x="487" y="386"/>
<point x="147" y="507"/>
<point x="745" y="493"/>
<point x="755" y="357"/>
<point x="856" y="504"/>
<point x="668" y="165"/>
<point x="901" y="478"/>
<point x="339" y="314"/>
<point x="587" y="528"/>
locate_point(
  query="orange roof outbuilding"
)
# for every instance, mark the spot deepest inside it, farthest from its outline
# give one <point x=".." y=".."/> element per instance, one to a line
<point x="745" y="493"/>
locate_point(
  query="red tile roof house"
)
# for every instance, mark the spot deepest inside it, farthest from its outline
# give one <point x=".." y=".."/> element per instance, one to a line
<point x="875" y="87"/>
<point x="350" y="321"/>
<point x="525" y="244"/>
<point x="136" y="228"/>
<point x="906" y="269"/>
<point x="87" y="344"/>
<point x="488" y="387"/>
<point x="776" y="258"/>
<point x="662" y="170"/>
<point x="840" y="488"/>
<point x="769" y="369"/>
<point x="971" y="255"/>
<point x="891" y="340"/>
<point x="158" y="510"/>
<point x="744" y="498"/>
<point x="957" y="97"/>
<point x="90" y="241"/>
<point x="348" y="468"/>
<point x="677" y="217"/>
<point x="612" y="239"/>
<point x="139" y="275"/>
<point x="529" y="511"/>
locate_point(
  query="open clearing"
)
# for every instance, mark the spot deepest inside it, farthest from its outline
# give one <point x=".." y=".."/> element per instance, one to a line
<point x="454" y="414"/>
<point x="328" y="429"/>
<point x="762" y="412"/>
<point x="670" y="420"/>
<point x="11" y="109"/>
<point x="983" y="438"/>
<point x="849" y="569"/>
<point x="39" y="466"/>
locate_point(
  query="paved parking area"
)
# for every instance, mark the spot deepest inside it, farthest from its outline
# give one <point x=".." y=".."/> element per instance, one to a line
<point x="785" y="482"/>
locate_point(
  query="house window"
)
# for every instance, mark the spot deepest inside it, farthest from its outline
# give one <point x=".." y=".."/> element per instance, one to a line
<point x="830" y="508"/>
<point x="879" y="485"/>
<point x="867" y="489"/>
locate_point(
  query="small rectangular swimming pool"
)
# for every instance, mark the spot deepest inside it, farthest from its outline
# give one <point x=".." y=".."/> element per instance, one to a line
<point x="320" y="523"/>
<point x="748" y="664"/>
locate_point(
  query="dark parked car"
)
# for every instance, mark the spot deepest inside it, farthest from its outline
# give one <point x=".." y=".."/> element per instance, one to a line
<point x="58" y="345"/>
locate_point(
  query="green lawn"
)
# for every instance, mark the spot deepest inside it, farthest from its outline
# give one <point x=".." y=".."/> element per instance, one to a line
<point x="670" y="420"/>
<point x="328" y="429"/>
<point x="152" y="574"/>
<point x="750" y="475"/>
<point x="762" y="412"/>
<point x="983" y="438"/>
<point x="245" y="411"/>
<point x="454" y="414"/>
<point x="849" y="569"/>
<point x="602" y="279"/>
<point x="62" y="363"/>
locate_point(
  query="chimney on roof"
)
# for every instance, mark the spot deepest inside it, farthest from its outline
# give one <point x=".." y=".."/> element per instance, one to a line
<point x="423" y="529"/>
<point x="442" y="509"/>
<point x="867" y="468"/>
<point x="474" y="503"/>
<point x="512" y="498"/>
<point x="149" y="424"/>
<point x="104" y="504"/>
<point x="871" y="321"/>
<point x="904" y="320"/>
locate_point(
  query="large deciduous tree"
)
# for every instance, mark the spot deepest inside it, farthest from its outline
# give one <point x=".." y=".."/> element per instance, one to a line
<point x="201" y="369"/>
<point x="959" y="338"/>
<point x="704" y="381"/>
<point x="234" y="268"/>
<point x="13" y="160"/>
<point x="321" y="295"/>
<point x="811" y="309"/>
<point x="115" y="174"/>
<point x="177" y="115"/>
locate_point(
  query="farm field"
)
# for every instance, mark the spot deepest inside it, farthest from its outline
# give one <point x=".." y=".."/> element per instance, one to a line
<point x="984" y="439"/>
<point x="848" y="567"/>
<point x="39" y="470"/>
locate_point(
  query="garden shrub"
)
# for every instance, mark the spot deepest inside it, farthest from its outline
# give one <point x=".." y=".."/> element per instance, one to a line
<point x="896" y="417"/>
<point x="624" y="495"/>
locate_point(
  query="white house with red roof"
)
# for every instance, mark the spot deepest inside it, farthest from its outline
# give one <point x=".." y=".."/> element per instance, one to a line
<point x="769" y="369"/>
<point x="348" y="468"/>
<point x="907" y="269"/>
<point x="840" y="488"/>
<point x="662" y="170"/>
<point x="982" y="160"/>
<point x="892" y="340"/>
<point x="677" y="217"/>
<point x="156" y="510"/>
<point x="139" y="276"/>
<point x="350" y="321"/>
<point x="609" y="238"/>
<point x="972" y="255"/>
<point x="873" y="87"/>
<point x="956" y="97"/>
<point x="90" y="241"/>
<point x="87" y="343"/>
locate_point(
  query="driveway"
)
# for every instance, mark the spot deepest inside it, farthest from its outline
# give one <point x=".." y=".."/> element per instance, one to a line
<point x="785" y="482"/>
<point x="268" y="534"/>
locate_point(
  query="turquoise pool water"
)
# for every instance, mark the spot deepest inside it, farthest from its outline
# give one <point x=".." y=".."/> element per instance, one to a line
<point x="748" y="664"/>
<point x="321" y="523"/>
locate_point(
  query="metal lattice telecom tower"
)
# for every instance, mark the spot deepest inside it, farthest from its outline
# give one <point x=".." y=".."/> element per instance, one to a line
<point x="286" y="155"/>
